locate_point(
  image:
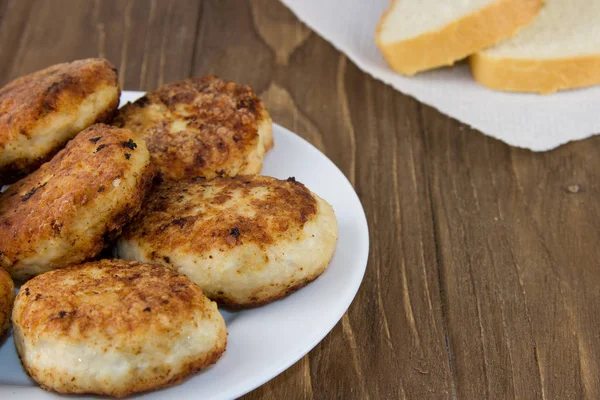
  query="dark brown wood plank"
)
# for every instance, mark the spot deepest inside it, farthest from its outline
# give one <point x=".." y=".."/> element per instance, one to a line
<point x="395" y="324"/>
<point x="405" y="335"/>
<point x="518" y="234"/>
<point x="228" y="45"/>
<point x="150" y="42"/>
<point x="13" y="16"/>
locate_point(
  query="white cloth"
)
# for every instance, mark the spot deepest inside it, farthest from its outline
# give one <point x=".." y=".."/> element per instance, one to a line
<point x="525" y="120"/>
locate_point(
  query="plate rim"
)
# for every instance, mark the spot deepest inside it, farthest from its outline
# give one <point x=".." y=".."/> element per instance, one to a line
<point x="256" y="380"/>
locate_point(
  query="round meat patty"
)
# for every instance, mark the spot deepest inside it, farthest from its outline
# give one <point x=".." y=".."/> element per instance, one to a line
<point x="7" y="294"/>
<point x="41" y="111"/>
<point x="204" y="127"/>
<point x="68" y="210"/>
<point x="246" y="241"/>
<point x="113" y="327"/>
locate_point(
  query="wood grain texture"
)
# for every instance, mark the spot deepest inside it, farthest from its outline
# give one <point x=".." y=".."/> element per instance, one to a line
<point x="517" y="235"/>
<point x="484" y="273"/>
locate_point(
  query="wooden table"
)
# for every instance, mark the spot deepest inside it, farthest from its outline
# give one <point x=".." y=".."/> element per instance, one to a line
<point x="483" y="279"/>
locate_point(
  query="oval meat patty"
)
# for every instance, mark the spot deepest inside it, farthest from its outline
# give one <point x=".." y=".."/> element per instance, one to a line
<point x="41" y="111"/>
<point x="115" y="328"/>
<point x="204" y="127"/>
<point x="7" y="294"/>
<point x="69" y="209"/>
<point x="246" y="241"/>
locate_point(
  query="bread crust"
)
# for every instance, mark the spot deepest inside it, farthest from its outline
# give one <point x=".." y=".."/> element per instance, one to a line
<point x="203" y="126"/>
<point x="456" y="40"/>
<point x="542" y="76"/>
<point x="41" y="111"/>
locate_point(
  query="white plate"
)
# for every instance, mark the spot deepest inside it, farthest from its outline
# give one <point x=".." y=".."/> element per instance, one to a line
<point x="265" y="341"/>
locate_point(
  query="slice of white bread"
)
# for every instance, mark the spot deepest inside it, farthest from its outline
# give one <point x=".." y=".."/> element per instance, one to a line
<point x="416" y="35"/>
<point x="559" y="50"/>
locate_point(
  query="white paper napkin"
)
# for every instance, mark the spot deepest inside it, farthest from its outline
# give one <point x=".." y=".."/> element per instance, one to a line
<point x="531" y="121"/>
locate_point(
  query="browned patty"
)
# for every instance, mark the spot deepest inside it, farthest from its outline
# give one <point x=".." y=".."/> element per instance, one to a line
<point x="41" y="111"/>
<point x="7" y="294"/>
<point x="70" y="208"/>
<point x="201" y="127"/>
<point x="114" y="327"/>
<point x="246" y="241"/>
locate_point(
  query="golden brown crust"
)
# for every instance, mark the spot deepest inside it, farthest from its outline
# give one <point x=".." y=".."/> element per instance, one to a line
<point x="115" y="306"/>
<point x="457" y="40"/>
<point x="114" y="297"/>
<point x="30" y="101"/>
<point x="178" y="211"/>
<point x="542" y="76"/>
<point x="200" y="127"/>
<point x="47" y="205"/>
<point x="7" y="294"/>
